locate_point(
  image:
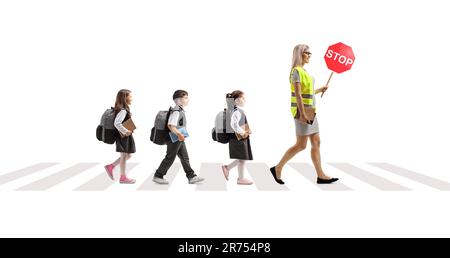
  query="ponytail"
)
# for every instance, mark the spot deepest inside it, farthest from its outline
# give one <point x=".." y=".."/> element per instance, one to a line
<point x="231" y="98"/>
<point x="230" y="102"/>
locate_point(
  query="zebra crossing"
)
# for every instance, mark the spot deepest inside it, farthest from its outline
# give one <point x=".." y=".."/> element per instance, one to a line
<point x="89" y="176"/>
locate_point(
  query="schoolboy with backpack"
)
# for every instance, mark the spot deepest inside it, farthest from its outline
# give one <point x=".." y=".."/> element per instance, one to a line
<point x="170" y="129"/>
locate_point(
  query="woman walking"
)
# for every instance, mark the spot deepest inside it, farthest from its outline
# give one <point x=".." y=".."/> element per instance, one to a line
<point x="303" y="108"/>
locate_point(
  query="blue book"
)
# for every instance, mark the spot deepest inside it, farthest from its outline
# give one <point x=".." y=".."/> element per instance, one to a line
<point x="174" y="137"/>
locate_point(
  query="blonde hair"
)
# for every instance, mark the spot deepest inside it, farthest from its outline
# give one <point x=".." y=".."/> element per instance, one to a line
<point x="297" y="55"/>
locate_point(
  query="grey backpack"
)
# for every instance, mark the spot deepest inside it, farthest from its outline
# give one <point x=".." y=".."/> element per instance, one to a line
<point x="160" y="132"/>
<point x="221" y="130"/>
<point x="106" y="131"/>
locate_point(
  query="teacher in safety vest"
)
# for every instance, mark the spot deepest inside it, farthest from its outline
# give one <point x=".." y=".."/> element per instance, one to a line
<point x="303" y="109"/>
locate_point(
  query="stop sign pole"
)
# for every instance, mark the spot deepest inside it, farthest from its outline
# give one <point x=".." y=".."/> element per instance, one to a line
<point x="329" y="79"/>
<point x="339" y="58"/>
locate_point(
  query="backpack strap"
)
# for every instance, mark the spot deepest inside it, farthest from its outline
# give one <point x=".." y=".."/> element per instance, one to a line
<point x="181" y="122"/>
<point x="224" y="120"/>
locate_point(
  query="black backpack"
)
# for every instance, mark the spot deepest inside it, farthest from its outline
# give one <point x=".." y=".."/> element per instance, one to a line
<point x="219" y="132"/>
<point x="160" y="132"/>
<point x="106" y="131"/>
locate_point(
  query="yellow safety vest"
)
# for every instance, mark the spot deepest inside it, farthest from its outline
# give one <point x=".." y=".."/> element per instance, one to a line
<point x="307" y="90"/>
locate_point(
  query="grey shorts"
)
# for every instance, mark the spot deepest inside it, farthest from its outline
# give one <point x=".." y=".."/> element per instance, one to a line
<point x="306" y="129"/>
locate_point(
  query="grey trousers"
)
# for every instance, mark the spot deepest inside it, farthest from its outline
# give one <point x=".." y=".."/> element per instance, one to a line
<point x="177" y="148"/>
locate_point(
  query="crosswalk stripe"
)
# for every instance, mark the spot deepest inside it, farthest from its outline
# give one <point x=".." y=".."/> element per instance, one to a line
<point x="371" y="173"/>
<point x="149" y="185"/>
<point x="214" y="179"/>
<point x="54" y="179"/>
<point x="102" y="182"/>
<point x="262" y="178"/>
<point x="6" y="178"/>
<point x="420" y="178"/>
<point x="309" y="172"/>
<point x="369" y="178"/>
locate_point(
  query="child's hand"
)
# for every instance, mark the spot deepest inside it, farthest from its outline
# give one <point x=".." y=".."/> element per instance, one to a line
<point x="245" y="135"/>
<point x="181" y="137"/>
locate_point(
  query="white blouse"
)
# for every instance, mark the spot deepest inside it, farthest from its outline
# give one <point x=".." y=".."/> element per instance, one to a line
<point x="235" y="118"/>
<point x="119" y="120"/>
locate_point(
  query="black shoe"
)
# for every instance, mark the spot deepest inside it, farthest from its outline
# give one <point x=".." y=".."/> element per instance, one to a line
<point x="326" y="181"/>
<point x="274" y="174"/>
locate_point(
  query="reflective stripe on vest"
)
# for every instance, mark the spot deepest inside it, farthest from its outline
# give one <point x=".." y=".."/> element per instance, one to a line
<point x="307" y="90"/>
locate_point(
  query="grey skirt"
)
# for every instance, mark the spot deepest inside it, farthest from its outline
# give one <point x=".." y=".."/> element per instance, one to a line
<point x="306" y="129"/>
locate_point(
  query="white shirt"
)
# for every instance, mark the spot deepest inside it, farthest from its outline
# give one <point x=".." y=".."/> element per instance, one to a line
<point x="235" y="118"/>
<point x="175" y="116"/>
<point x="119" y="120"/>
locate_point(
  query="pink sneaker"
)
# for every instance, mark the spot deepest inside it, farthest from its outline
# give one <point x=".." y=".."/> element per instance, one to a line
<point x="226" y="172"/>
<point x="109" y="170"/>
<point x="244" y="181"/>
<point x="126" y="180"/>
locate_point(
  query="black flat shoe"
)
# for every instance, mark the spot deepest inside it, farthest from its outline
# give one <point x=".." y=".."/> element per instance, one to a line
<point x="274" y="174"/>
<point x="326" y="181"/>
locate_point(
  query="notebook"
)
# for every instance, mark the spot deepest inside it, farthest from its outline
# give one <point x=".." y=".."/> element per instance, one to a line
<point x="310" y="112"/>
<point x="129" y="124"/>
<point x="246" y="129"/>
<point x="174" y="137"/>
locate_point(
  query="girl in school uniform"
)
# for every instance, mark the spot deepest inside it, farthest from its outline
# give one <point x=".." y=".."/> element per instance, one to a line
<point x="239" y="144"/>
<point x="124" y="141"/>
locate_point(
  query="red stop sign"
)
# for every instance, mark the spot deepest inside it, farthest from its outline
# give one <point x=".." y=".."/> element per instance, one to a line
<point x="339" y="57"/>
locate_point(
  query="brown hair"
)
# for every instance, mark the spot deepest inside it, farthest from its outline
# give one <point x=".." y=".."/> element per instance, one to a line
<point x="231" y="97"/>
<point x="235" y="94"/>
<point x="121" y="101"/>
<point x="179" y="94"/>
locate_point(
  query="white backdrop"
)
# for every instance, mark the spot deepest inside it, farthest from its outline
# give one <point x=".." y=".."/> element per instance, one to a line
<point x="62" y="63"/>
